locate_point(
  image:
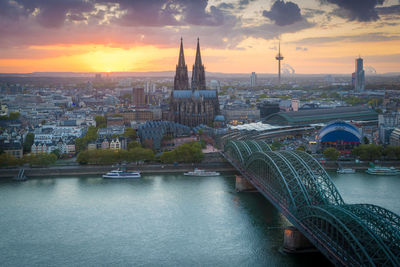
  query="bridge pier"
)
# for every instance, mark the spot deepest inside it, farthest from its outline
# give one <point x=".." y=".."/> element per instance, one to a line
<point x="242" y="184"/>
<point x="295" y="242"/>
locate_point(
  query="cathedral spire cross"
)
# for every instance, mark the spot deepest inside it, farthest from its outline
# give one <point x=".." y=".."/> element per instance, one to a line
<point x="198" y="56"/>
<point x="181" y="61"/>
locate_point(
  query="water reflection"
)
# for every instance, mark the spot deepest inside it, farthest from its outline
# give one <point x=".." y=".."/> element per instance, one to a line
<point x="164" y="220"/>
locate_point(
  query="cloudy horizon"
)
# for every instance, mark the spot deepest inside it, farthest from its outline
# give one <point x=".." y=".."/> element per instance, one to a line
<point x="317" y="36"/>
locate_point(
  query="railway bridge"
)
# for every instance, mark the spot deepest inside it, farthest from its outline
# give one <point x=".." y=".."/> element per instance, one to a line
<point x="300" y="188"/>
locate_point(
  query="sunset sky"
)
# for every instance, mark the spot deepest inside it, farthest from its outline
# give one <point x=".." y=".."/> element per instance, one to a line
<point x="241" y="36"/>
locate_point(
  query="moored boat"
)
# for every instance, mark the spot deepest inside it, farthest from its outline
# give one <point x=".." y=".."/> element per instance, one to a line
<point x="198" y="172"/>
<point x="377" y="170"/>
<point x="345" y="170"/>
<point x="118" y="174"/>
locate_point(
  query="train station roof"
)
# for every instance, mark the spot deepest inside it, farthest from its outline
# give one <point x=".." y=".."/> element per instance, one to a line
<point x="313" y="116"/>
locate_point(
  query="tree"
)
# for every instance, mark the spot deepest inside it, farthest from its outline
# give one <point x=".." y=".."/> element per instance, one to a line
<point x="29" y="139"/>
<point x="57" y="153"/>
<point x="80" y="144"/>
<point x="365" y="140"/>
<point x="101" y="122"/>
<point x="108" y="156"/>
<point x="301" y="148"/>
<point x="392" y="152"/>
<point x="7" y="160"/>
<point x="368" y="152"/>
<point x="140" y="153"/>
<point x="335" y="95"/>
<point x="276" y="146"/>
<point x="130" y="133"/>
<point x="127" y="98"/>
<point x="14" y="116"/>
<point x="190" y="152"/>
<point x="42" y="159"/>
<point x="83" y="157"/>
<point x="91" y="134"/>
<point x="331" y="153"/>
<point x="133" y="144"/>
<point x="262" y="96"/>
<point x="168" y="157"/>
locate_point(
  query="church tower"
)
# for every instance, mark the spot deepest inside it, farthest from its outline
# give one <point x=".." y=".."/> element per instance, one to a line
<point x="181" y="81"/>
<point x="198" y="74"/>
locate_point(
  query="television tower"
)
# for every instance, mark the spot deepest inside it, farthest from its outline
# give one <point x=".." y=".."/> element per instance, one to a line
<point x="279" y="57"/>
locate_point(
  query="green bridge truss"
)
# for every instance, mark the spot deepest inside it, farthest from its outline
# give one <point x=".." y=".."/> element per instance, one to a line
<point x="295" y="183"/>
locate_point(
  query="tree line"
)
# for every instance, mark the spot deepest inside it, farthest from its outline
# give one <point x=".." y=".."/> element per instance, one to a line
<point x="187" y="153"/>
<point x="108" y="156"/>
<point x="39" y="160"/>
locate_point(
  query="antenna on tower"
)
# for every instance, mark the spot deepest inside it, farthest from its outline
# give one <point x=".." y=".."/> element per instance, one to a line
<point x="279" y="57"/>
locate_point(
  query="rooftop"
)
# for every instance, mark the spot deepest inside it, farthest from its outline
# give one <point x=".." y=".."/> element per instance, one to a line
<point x="300" y="117"/>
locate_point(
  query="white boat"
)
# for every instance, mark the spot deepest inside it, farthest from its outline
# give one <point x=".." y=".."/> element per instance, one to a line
<point x="345" y="170"/>
<point x="198" y="172"/>
<point x="117" y="174"/>
<point x="383" y="171"/>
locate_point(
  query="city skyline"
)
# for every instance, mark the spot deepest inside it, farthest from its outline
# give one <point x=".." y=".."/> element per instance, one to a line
<point x="237" y="36"/>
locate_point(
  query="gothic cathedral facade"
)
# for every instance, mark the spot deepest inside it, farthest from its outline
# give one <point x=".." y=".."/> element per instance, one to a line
<point x="194" y="105"/>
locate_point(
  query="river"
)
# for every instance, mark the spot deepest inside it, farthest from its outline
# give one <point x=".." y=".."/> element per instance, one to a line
<point x="168" y="220"/>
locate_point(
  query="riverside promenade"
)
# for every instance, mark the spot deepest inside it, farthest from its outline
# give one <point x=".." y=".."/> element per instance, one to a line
<point x="99" y="170"/>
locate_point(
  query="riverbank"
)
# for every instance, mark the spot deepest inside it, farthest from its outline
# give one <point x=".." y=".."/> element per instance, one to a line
<point x="99" y="170"/>
<point x="333" y="165"/>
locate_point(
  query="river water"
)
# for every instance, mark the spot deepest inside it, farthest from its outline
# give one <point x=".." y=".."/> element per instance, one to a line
<point x="168" y="220"/>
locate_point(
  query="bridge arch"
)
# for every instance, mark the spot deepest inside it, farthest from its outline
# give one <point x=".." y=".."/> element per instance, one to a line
<point x="349" y="233"/>
<point x="266" y="173"/>
<point x="324" y="181"/>
<point x="320" y="193"/>
<point x="241" y="150"/>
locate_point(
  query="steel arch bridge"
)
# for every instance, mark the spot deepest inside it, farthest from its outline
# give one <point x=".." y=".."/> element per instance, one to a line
<point x="299" y="187"/>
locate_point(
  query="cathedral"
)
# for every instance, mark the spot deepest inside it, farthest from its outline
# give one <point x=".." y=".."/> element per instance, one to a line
<point x="192" y="105"/>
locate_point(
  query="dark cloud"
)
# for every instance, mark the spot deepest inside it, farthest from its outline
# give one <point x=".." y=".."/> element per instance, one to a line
<point x="54" y="14"/>
<point x="226" y="6"/>
<point x="310" y="12"/>
<point x="10" y="9"/>
<point x="369" y="37"/>
<point x="272" y="31"/>
<point x="145" y="12"/>
<point x="126" y="23"/>
<point x="356" y="10"/>
<point x="389" y="10"/>
<point x="244" y="3"/>
<point x="194" y="12"/>
<point x="283" y="13"/>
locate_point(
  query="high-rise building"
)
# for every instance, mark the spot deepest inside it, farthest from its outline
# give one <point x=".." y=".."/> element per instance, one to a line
<point x="253" y="79"/>
<point x="358" y="77"/>
<point x="196" y="105"/>
<point x="295" y="104"/>
<point x="279" y="57"/>
<point x="138" y="97"/>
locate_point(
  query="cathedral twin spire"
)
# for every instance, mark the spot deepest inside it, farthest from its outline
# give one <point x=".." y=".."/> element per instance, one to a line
<point x="181" y="81"/>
